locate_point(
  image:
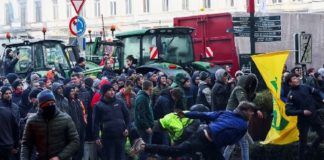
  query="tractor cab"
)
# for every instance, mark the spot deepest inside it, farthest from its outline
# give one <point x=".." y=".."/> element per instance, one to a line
<point x="39" y="56"/>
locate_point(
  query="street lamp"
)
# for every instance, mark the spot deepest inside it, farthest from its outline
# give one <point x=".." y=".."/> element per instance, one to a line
<point x="113" y="28"/>
<point x="44" y="30"/>
<point x="8" y="36"/>
<point x="89" y="31"/>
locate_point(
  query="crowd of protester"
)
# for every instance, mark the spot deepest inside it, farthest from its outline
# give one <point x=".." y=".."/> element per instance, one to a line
<point x="84" y="117"/>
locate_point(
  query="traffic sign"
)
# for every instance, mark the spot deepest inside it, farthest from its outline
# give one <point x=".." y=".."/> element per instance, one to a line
<point x="268" y="39"/>
<point x="267" y="23"/>
<point x="241" y="18"/>
<point x="77" y="26"/>
<point x="258" y="34"/>
<point x="275" y="28"/>
<point x="77" y="5"/>
<point x="305" y="53"/>
<point x="241" y="23"/>
<point x="267" y="18"/>
<point x="241" y="29"/>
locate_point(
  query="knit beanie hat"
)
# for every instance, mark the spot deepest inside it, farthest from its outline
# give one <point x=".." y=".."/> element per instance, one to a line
<point x="34" y="77"/>
<point x="88" y="82"/>
<point x="12" y="77"/>
<point x="105" y="88"/>
<point x="180" y="78"/>
<point x="45" y="96"/>
<point x="34" y="93"/>
<point x="203" y="75"/>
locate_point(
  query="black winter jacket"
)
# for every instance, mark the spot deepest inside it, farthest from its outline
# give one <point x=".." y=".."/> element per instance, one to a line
<point x="302" y="98"/>
<point x="54" y="137"/>
<point x="220" y="94"/>
<point x="111" y="116"/>
<point x="9" y="133"/>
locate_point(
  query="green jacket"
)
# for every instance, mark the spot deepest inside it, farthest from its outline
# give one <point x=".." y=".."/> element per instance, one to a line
<point x="144" y="118"/>
<point x="56" y="137"/>
<point x="244" y="91"/>
<point x="174" y="125"/>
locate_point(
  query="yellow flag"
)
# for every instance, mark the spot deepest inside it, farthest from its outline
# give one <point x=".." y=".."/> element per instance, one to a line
<point x="283" y="128"/>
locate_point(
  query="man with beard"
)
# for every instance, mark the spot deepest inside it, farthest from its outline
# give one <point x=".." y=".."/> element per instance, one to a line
<point x="61" y="102"/>
<point x="111" y="117"/>
<point x="161" y="85"/>
<point x="9" y="132"/>
<point x="6" y="101"/>
<point x="138" y="83"/>
<point x="51" y="131"/>
<point x="17" y="87"/>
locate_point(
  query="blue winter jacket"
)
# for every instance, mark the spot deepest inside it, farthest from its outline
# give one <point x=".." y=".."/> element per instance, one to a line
<point x="226" y="128"/>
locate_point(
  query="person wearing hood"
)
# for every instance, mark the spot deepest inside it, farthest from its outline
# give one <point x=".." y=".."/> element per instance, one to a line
<point x="220" y="91"/>
<point x="111" y="117"/>
<point x="9" y="132"/>
<point x="204" y="95"/>
<point x="77" y="112"/>
<point x="10" y="61"/>
<point x="161" y="85"/>
<point x="179" y="82"/>
<point x="244" y="91"/>
<point x="61" y="101"/>
<point x="168" y="101"/>
<point x="17" y="88"/>
<point x="225" y="128"/>
<point x="194" y="85"/>
<point x="51" y="132"/>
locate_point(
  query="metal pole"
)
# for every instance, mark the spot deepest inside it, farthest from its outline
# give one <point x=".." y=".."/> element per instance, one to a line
<point x="252" y="30"/>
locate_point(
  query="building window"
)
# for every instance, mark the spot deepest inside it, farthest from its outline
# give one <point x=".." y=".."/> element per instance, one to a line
<point x="55" y="10"/>
<point x="165" y="5"/>
<point x="9" y="13"/>
<point x="38" y="11"/>
<point x="276" y="1"/>
<point x="128" y="7"/>
<point x="185" y="4"/>
<point x="97" y="8"/>
<point x="112" y="8"/>
<point x="206" y="3"/>
<point x="232" y="3"/>
<point x="146" y="6"/>
<point x="23" y="15"/>
<point x="68" y="9"/>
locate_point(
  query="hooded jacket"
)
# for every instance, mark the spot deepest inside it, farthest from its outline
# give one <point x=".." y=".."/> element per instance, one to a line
<point x="61" y="102"/>
<point x="226" y="128"/>
<point x="220" y="92"/>
<point x="244" y="91"/>
<point x="194" y="86"/>
<point x="204" y="94"/>
<point x="164" y="104"/>
<point x="144" y="117"/>
<point x="13" y="108"/>
<point x="55" y="137"/>
<point x="121" y="95"/>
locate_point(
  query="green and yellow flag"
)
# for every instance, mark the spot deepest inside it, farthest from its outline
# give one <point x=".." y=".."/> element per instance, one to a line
<point x="283" y="128"/>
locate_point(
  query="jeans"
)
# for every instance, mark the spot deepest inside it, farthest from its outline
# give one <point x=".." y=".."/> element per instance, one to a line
<point x="244" y="144"/>
<point x="90" y="150"/>
<point x="147" y="138"/>
<point x="197" y="143"/>
<point x="114" y="148"/>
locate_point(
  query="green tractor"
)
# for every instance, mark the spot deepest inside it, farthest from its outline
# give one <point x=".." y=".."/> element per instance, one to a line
<point x="169" y="50"/>
<point x="40" y="56"/>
